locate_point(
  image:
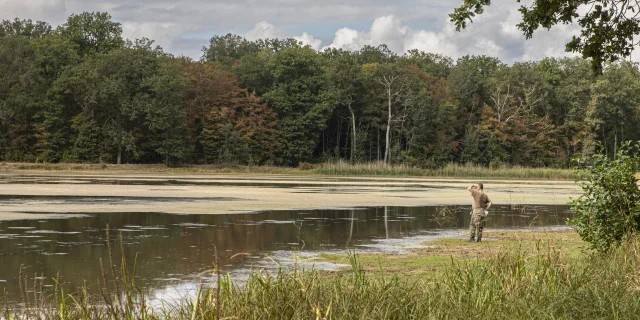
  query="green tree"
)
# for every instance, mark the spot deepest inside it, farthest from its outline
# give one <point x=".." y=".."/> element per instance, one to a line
<point x="609" y="209"/>
<point x="25" y="28"/>
<point x="435" y="64"/>
<point x="301" y="97"/>
<point x="229" y="49"/>
<point x="164" y="113"/>
<point x="55" y="55"/>
<point x="135" y="95"/>
<point x="469" y="80"/>
<point x="345" y="74"/>
<point x="92" y="32"/>
<point x="613" y="109"/>
<point x="20" y="94"/>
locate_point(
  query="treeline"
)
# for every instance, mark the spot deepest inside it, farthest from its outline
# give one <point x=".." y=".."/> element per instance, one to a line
<point x="82" y="93"/>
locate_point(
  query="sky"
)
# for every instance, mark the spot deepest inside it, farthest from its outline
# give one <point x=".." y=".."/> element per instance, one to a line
<point x="183" y="27"/>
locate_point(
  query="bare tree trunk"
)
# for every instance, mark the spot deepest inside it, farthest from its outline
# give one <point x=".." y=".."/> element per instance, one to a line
<point x="353" y="124"/>
<point x="119" y="153"/>
<point x="386" y="149"/>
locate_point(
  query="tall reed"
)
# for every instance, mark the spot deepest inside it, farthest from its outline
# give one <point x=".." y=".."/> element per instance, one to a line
<point x="543" y="284"/>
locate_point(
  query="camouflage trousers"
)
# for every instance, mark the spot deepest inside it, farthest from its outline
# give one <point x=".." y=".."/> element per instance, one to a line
<point x="477" y="223"/>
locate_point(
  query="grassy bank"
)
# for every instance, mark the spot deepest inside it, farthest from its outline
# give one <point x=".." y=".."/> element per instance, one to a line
<point x="524" y="276"/>
<point x="327" y="169"/>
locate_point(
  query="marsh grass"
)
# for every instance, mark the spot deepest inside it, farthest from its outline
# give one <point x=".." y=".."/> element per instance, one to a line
<point x="542" y="283"/>
<point x="451" y="170"/>
<point x="339" y="168"/>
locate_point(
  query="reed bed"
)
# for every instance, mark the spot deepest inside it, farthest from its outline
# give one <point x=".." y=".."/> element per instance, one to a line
<point x="450" y="170"/>
<point x="337" y="168"/>
<point x="520" y="284"/>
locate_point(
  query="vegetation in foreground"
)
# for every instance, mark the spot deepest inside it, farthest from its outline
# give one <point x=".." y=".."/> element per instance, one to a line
<point x="330" y="169"/>
<point x="536" y="276"/>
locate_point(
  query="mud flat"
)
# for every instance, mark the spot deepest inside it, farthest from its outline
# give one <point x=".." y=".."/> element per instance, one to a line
<point x="59" y="193"/>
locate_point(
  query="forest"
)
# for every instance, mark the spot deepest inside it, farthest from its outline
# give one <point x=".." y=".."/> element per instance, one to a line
<point x="81" y="93"/>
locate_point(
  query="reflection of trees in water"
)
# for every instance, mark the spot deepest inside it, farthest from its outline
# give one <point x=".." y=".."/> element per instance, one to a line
<point x="181" y="249"/>
<point x="386" y="221"/>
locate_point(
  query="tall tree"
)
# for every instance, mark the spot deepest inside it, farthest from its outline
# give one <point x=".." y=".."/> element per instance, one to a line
<point x="346" y="79"/>
<point x="93" y="32"/>
<point x="469" y="82"/>
<point x="20" y="91"/>
<point x="613" y="111"/>
<point x="229" y="49"/>
<point x="301" y="96"/>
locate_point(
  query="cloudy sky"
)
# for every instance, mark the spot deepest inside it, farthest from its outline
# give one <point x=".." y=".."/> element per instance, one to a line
<point x="183" y="27"/>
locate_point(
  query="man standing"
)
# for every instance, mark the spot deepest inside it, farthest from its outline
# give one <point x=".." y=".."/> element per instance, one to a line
<point x="480" y="208"/>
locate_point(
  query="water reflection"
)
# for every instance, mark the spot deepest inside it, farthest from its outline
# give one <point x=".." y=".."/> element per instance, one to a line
<point x="177" y="247"/>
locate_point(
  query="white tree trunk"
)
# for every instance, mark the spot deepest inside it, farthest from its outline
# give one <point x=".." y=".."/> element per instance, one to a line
<point x="387" y="149"/>
<point x="353" y="124"/>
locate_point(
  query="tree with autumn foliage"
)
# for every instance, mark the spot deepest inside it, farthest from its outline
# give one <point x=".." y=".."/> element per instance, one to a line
<point x="228" y="124"/>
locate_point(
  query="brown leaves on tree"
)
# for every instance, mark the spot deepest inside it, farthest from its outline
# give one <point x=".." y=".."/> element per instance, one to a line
<point x="228" y="123"/>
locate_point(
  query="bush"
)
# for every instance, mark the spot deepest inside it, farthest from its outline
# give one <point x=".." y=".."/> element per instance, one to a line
<point x="608" y="211"/>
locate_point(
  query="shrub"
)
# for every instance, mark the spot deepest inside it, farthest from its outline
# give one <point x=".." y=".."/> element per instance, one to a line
<point x="608" y="211"/>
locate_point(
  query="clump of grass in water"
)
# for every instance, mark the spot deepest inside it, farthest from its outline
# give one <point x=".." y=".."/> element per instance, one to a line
<point x="514" y="285"/>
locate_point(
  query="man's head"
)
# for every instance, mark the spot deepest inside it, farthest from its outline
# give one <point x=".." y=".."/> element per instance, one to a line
<point x="480" y="186"/>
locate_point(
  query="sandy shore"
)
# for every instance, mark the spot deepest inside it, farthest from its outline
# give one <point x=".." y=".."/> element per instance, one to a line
<point x="223" y="194"/>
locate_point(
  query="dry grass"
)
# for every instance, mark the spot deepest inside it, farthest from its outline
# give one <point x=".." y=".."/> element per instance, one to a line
<point x="339" y="168"/>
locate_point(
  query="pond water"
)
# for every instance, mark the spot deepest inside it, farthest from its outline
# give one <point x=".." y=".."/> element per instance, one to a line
<point x="174" y="250"/>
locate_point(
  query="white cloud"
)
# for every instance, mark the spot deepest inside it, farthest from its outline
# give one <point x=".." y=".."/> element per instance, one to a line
<point x="162" y="33"/>
<point x="399" y="38"/>
<point x="402" y="25"/>
<point x="431" y="42"/>
<point x="349" y="39"/>
<point x="309" y="40"/>
<point x="266" y="30"/>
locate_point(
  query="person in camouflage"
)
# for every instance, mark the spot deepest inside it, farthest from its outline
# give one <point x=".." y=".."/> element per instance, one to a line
<point x="479" y="211"/>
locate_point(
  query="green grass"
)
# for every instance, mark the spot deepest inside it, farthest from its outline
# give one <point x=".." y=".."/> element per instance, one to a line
<point x="537" y="281"/>
<point x="339" y="168"/>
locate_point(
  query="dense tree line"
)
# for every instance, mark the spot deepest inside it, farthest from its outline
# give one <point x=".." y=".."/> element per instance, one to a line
<point x="81" y="93"/>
